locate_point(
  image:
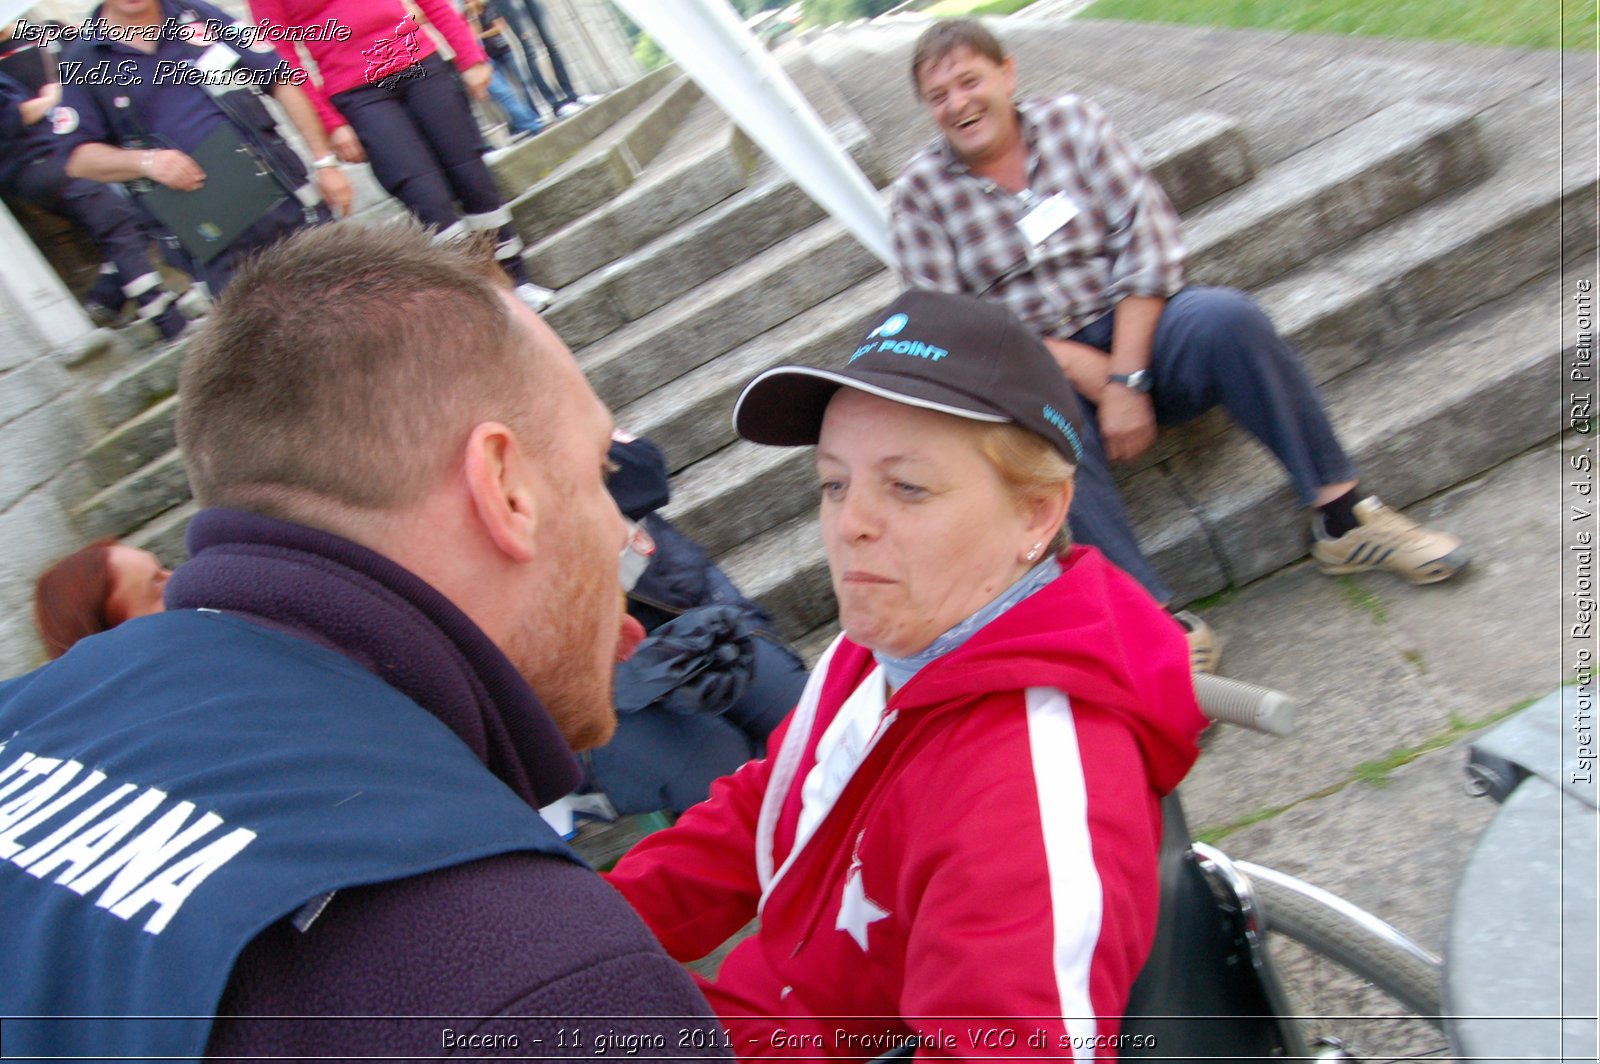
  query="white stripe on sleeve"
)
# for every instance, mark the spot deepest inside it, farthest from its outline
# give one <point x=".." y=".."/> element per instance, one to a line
<point x="1076" y="901"/>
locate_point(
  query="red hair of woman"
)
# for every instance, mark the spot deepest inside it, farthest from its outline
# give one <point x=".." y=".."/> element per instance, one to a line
<point x="69" y="600"/>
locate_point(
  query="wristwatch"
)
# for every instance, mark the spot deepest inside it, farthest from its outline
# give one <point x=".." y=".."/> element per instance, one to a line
<point x="1140" y="380"/>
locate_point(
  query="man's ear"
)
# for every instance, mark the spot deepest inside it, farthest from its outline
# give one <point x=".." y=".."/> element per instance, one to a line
<point x="499" y="480"/>
<point x="1008" y="70"/>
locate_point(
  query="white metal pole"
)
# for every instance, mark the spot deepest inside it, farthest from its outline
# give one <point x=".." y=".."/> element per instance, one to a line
<point x="34" y="289"/>
<point x="711" y="45"/>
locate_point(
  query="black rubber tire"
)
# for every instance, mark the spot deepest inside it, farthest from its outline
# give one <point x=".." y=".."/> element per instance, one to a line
<point x="1351" y="985"/>
<point x="1406" y="978"/>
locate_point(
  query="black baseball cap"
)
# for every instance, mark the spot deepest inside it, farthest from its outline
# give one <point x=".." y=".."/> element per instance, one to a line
<point x="935" y="350"/>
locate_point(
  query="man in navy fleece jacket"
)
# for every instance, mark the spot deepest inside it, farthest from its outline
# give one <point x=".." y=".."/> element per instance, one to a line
<point x="295" y="814"/>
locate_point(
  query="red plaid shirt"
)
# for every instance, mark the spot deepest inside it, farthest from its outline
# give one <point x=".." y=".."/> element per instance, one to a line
<point x="954" y="231"/>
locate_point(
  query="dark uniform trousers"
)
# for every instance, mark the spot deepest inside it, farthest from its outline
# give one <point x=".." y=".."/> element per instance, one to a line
<point x="112" y="221"/>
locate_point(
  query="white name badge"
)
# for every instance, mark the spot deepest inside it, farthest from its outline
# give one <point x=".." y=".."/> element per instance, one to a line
<point x="1047" y="217"/>
<point x="218" y="57"/>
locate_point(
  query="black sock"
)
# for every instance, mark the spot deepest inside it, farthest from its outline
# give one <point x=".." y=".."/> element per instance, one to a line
<point x="1339" y="516"/>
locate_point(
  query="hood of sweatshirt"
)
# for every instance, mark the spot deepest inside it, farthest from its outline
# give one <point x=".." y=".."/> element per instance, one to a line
<point x="1095" y="634"/>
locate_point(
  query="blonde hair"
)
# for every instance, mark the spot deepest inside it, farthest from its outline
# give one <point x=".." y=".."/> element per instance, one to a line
<point x="1029" y="465"/>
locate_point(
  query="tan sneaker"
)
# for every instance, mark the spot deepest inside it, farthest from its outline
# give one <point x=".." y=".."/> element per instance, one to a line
<point x="1204" y="648"/>
<point x="1387" y="539"/>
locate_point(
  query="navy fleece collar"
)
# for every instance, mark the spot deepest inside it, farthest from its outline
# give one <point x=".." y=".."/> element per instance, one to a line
<point x="348" y="598"/>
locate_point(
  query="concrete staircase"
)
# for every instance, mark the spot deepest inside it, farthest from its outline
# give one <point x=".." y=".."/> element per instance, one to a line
<point x="1400" y="210"/>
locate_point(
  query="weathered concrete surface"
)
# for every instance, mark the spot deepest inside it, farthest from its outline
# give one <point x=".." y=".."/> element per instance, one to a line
<point x="1381" y="668"/>
<point x="753" y="298"/>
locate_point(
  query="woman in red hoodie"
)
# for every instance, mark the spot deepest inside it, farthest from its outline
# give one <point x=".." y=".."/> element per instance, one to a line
<point x="389" y="98"/>
<point x="953" y="837"/>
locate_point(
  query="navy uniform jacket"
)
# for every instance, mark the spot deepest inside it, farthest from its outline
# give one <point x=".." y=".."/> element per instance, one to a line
<point x="179" y="796"/>
<point x="100" y="76"/>
<point x="162" y="809"/>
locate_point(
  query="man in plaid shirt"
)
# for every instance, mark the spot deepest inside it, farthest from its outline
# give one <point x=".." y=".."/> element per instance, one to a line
<point x="1045" y="207"/>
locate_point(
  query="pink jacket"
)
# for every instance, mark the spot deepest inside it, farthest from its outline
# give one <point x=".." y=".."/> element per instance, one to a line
<point x="988" y="874"/>
<point x="378" y="45"/>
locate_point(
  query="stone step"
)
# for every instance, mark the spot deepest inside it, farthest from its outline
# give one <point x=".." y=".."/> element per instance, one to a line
<point x="163" y="536"/>
<point x="693" y="415"/>
<point x="855" y="61"/>
<point x="755" y="296"/>
<point x="706" y="160"/>
<point x="603" y="169"/>
<point x="1415" y="424"/>
<point x="664" y="197"/>
<point x="599" y="176"/>
<point x="136" y="388"/>
<point x="811" y="645"/>
<point x="520" y="167"/>
<point x="1376" y="170"/>
<point x="786" y="570"/>
<point x="737" y="229"/>
<point x="135" y="500"/>
<point x="1199" y="157"/>
<point x="1391" y="288"/>
<point x="136" y="442"/>
<point x="740" y="492"/>
<point x="1290" y="90"/>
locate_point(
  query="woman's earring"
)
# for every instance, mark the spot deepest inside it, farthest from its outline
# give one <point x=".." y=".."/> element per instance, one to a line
<point x="1033" y="551"/>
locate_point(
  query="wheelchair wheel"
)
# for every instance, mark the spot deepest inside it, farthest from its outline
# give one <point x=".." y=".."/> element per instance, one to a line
<point x="1355" y="984"/>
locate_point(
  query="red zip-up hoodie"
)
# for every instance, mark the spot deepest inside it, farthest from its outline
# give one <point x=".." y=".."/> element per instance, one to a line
<point x="986" y="879"/>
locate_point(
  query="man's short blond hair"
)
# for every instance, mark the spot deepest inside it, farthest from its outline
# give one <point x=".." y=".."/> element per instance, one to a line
<point x="344" y="368"/>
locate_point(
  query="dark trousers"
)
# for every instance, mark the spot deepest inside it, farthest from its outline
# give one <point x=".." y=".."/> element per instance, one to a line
<point x="526" y="18"/>
<point x="281" y="221"/>
<point x="663" y="760"/>
<point x="111" y="219"/>
<point x="424" y="147"/>
<point x="1213" y="346"/>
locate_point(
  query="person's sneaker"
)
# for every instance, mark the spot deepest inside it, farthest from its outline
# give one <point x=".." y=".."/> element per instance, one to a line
<point x="1204" y="649"/>
<point x="1387" y="539"/>
<point x="104" y="316"/>
<point x="534" y="297"/>
<point x="568" y="109"/>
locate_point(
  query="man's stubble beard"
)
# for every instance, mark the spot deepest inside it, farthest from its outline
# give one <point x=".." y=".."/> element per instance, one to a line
<point x="565" y="653"/>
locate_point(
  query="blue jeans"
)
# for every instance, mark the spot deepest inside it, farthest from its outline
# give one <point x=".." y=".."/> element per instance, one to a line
<point x="518" y="115"/>
<point x="1213" y="346"/>
<point x="527" y="18"/>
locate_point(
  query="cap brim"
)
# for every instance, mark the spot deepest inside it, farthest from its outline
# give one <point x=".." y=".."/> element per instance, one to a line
<point x="783" y="407"/>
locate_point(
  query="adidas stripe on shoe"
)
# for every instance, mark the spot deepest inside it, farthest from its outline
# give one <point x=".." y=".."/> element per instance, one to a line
<point x="1387" y="539"/>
